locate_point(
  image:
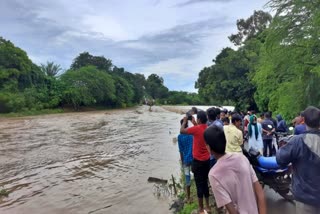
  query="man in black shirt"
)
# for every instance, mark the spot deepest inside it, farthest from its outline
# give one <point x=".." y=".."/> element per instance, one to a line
<point x="268" y="129"/>
<point x="275" y="123"/>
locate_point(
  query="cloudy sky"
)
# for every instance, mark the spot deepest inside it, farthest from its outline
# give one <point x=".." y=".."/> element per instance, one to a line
<point x="172" y="38"/>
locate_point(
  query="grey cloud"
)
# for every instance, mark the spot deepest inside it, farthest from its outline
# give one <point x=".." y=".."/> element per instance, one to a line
<point x="46" y="40"/>
<point x="190" y="2"/>
<point x="180" y="41"/>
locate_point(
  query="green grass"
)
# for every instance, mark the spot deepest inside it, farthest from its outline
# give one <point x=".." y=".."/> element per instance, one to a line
<point x="32" y="113"/>
<point x="4" y="193"/>
<point x="189" y="208"/>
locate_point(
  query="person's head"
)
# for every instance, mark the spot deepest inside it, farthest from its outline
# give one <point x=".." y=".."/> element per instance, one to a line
<point x="218" y="111"/>
<point x="215" y="141"/>
<point x="262" y="115"/>
<point x="225" y="121"/>
<point x="249" y="113"/>
<point x="311" y="117"/>
<point x="202" y="117"/>
<point x="194" y="110"/>
<point x="279" y="117"/>
<point x="186" y="126"/>
<point x="300" y="119"/>
<point x="267" y="115"/>
<point x="236" y="120"/>
<point x="253" y="119"/>
<point x="211" y="112"/>
<point x="222" y="115"/>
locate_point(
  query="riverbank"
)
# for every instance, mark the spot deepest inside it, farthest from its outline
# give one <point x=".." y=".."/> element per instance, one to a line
<point x="58" y="111"/>
<point x="192" y="208"/>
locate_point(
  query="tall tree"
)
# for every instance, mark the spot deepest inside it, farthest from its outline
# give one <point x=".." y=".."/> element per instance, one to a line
<point x="288" y="74"/>
<point x="155" y="87"/>
<point x="50" y="68"/>
<point x="88" y="86"/>
<point x="86" y="59"/>
<point x="251" y="27"/>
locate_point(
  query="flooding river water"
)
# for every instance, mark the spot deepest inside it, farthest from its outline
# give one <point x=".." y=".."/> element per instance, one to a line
<point x="92" y="162"/>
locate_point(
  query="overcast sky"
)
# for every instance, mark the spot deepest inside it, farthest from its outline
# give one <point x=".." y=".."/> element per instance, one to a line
<point x="172" y="38"/>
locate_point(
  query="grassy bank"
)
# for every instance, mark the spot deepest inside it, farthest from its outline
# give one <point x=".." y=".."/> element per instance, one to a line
<point x="32" y="113"/>
<point x="58" y="111"/>
<point x="192" y="208"/>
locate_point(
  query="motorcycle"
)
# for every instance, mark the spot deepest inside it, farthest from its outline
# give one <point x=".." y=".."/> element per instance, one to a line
<point x="270" y="173"/>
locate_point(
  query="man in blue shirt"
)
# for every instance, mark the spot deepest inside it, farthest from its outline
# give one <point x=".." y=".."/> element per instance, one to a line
<point x="303" y="151"/>
<point x="300" y="128"/>
<point x="185" y="148"/>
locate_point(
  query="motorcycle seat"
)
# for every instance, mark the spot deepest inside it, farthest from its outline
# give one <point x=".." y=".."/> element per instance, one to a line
<point x="268" y="162"/>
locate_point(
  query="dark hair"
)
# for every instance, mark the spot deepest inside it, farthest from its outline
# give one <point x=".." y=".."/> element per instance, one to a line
<point x="195" y="110"/>
<point x="215" y="138"/>
<point x="218" y="111"/>
<point x="235" y="117"/>
<point x="262" y="114"/>
<point x="234" y="112"/>
<point x="211" y="113"/>
<point x="312" y="117"/>
<point x="202" y="116"/>
<point x="181" y="121"/>
<point x="226" y="119"/>
<point x="267" y="115"/>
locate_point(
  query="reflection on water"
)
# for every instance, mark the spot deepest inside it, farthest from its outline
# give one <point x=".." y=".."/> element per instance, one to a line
<point x="92" y="162"/>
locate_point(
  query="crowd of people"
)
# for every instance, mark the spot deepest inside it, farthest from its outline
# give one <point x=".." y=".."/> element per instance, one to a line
<point x="211" y="145"/>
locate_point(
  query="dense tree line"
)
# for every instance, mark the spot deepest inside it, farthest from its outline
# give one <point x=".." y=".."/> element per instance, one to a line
<point x="90" y="81"/>
<point x="276" y="65"/>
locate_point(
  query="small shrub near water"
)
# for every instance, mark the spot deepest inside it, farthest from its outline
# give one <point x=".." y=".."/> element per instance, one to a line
<point x="4" y="193"/>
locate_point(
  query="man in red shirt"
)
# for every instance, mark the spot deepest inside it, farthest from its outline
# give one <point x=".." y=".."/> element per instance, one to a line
<point x="201" y="157"/>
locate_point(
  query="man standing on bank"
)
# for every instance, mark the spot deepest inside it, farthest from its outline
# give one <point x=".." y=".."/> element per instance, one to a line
<point x="201" y="158"/>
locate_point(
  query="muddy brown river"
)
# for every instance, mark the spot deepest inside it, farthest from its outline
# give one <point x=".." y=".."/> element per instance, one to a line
<point x="92" y="162"/>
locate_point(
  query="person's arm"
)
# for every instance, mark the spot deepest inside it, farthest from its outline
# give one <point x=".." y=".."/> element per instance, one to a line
<point x="289" y="152"/>
<point x="184" y="130"/>
<point x="258" y="191"/>
<point x="263" y="127"/>
<point x="261" y="201"/>
<point x="240" y="138"/>
<point x="286" y="127"/>
<point x="231" y="209"/>
<point x="194" y="122"/>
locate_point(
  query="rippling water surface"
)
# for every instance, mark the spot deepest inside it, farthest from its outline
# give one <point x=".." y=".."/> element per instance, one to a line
<point x="93" y="162"/>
